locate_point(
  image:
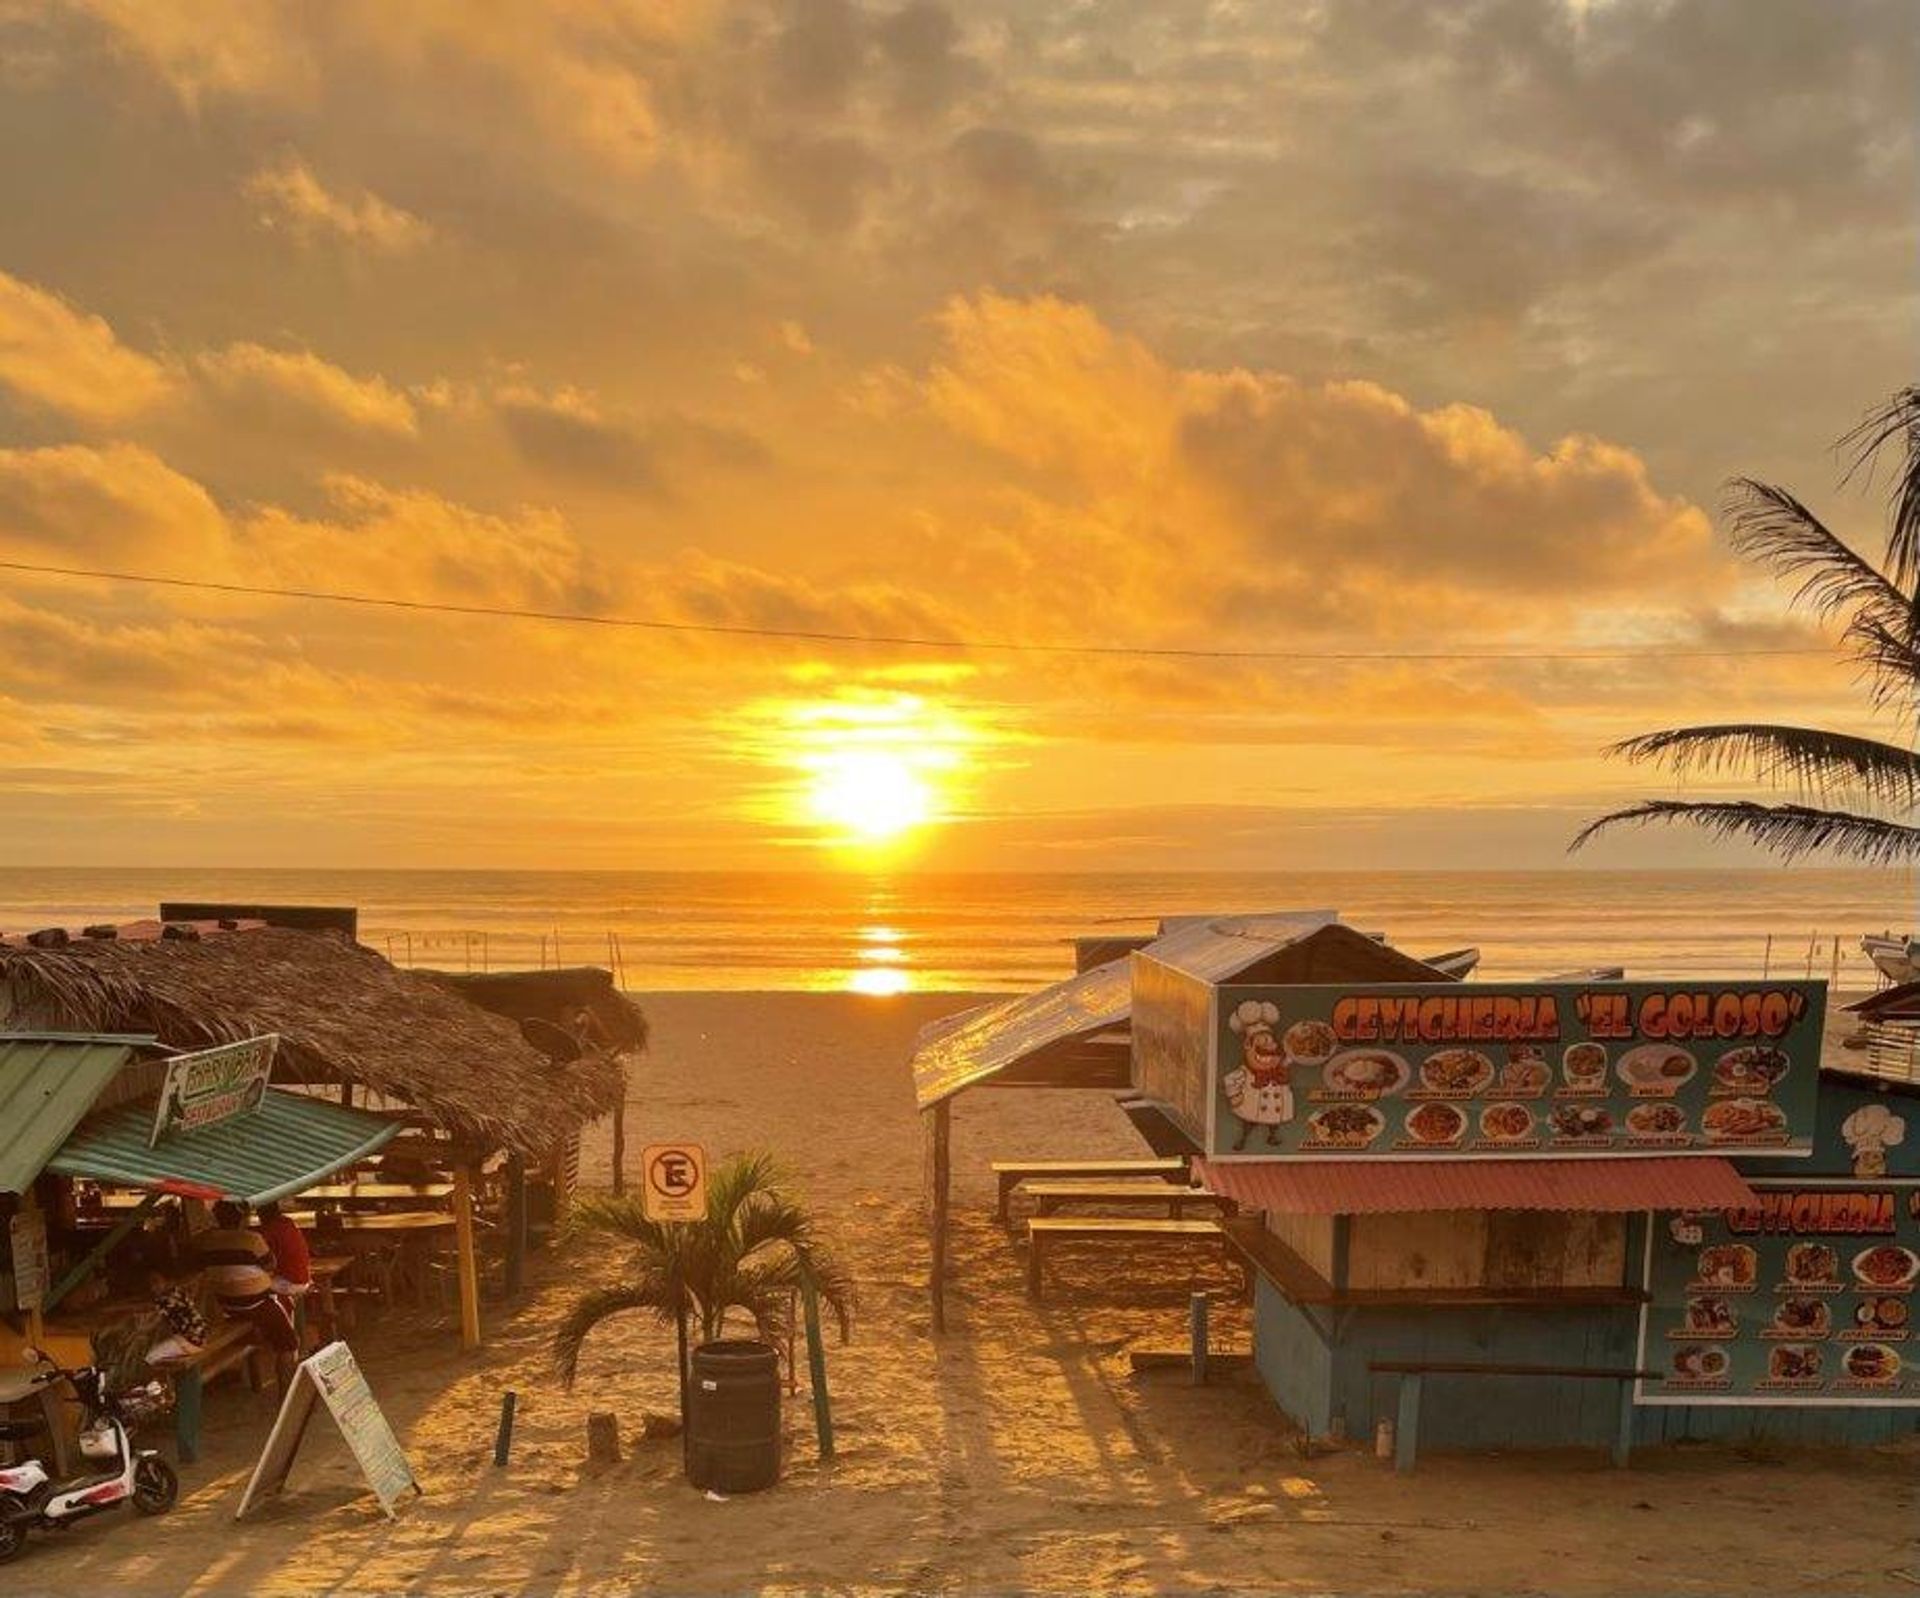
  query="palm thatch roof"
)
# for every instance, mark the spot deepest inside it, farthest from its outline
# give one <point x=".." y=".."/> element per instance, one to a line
<point x="580" y="999"/>
<point x="344" y="1014"/>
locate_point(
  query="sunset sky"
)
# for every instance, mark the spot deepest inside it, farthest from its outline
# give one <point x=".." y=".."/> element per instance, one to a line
<point x="1329" y="327"/>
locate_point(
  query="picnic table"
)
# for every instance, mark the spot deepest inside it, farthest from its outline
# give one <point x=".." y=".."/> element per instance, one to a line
<point x="1011" y="1173"/>
<point x="377" y="1192"/>
<point x="1042" y="1230"/>
<point x="407" y="1233"/>
<point x="1050" y="1194"/>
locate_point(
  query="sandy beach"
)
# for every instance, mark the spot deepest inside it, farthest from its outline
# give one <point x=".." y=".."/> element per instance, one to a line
<point x="1018" y="1453"/>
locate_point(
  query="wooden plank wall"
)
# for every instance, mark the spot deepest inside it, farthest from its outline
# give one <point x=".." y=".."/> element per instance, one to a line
<point x="1487" y="1248"/>
<point x="1309" y="1236"/>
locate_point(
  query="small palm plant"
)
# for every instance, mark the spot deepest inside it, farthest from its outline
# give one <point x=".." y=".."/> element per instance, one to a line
<point x="755" y="1245"/>
<point x="1879" y="608"/>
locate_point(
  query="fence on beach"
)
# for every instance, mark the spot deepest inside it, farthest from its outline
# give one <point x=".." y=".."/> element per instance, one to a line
<point x="1838" y="958"/>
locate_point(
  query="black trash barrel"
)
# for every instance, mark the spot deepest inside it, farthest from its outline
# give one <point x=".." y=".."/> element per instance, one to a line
<point x="733" y="1425"/>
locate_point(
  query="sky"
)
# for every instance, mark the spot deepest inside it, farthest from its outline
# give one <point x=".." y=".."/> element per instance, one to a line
<point x="1324" y="326"/>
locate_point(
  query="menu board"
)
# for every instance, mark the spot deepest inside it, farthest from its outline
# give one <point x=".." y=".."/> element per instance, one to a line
<point x="1526" y="1070"/>
<point x="1808" y="1299"/>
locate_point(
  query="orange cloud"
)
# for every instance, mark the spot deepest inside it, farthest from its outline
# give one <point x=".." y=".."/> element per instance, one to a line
<point x="307" y="387"/>
<point x="293" y="200"/>
<point x="119" y="502"/>
<point x="67" y="361"/>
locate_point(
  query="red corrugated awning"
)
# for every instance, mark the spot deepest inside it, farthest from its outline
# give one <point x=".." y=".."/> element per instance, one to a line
<point x="1362" y="1187"/>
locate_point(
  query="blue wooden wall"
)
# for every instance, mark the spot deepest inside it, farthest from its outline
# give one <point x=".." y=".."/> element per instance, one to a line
<point x="1293" y="1359"/>
<point x="1312" y="1380"/>
<point x="1488" y="1411"/>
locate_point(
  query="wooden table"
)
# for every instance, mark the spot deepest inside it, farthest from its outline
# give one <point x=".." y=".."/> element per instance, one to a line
<point x="377" y="1192"/>
<point x="412" y="1229"/>
<point x="324" y="1271"/>
<point x="1049" y="1194"/>
<point x="1011" y="1173"/>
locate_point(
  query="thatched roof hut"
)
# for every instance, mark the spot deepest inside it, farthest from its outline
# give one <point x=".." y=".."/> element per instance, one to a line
<point x="344" y="1014"/>
<point x="579" y="999"/>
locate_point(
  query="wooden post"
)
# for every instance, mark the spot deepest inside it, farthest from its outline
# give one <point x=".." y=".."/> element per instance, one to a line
<point x="516" y="1224"/>
<point x="620" y="1141"/>
<point x="36" y="1322"/>
<point x="469" y="1265"/>
<point x="1406" y="1432"/>
<point x="603" y="1438"/>
<point x="817" y="1369"/>
<point x="942" y="1181"/>
<point x="1197" y="1335"/>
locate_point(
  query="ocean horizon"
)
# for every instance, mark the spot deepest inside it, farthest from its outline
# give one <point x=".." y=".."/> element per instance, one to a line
<point x="982" y="931"/>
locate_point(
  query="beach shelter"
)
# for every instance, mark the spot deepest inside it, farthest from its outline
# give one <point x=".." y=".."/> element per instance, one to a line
<point x="350" y="1023"/>
<point x="1076" y="1033"/>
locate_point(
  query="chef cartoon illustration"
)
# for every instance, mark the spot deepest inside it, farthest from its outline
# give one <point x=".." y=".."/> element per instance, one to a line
<point x="1260" y="1088"/>
<point x="1870" y="1131"/>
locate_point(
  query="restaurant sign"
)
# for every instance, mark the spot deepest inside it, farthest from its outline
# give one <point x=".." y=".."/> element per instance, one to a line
<point x="1806" y="1300"/>
<point x="213" y="1084"/>
<point x="1513" y="1070"/>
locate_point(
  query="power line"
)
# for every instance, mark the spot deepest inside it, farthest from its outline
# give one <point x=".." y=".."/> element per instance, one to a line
<point x="893" y="640"/>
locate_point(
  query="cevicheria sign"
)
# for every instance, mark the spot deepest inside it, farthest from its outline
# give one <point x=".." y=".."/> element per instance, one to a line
<point x="212" y="1084"/>
<point x="1493" y="1070"/>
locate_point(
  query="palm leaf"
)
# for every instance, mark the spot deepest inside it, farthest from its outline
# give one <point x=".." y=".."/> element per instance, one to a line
<point x="591" y="1308"/>
<point x="1824" y="761"/>
<point x="1767" y="524"/>
<point x="1787" y="830"/>
<point x="1898" y="419"/>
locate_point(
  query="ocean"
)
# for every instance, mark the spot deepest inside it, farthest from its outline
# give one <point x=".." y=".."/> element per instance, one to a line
<point x="880" y="935"/>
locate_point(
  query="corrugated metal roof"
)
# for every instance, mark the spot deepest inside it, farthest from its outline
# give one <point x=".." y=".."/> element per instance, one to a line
<point x="954" y="1053"/>
<point x="290" y="1142"/>
<point x="48" y="1082"/>
<point x="1365" y="1187"/>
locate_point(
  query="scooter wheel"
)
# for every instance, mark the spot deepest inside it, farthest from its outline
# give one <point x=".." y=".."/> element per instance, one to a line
<point x="13" y="1529"/>
<point x="154" y="1486"/>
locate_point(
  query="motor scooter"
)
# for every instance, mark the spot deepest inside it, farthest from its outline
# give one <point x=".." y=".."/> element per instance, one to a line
<point x="30" y="1498"/>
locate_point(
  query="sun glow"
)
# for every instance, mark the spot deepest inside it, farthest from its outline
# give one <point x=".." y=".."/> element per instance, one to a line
<point x="872" y="795"/>
<point x="869" y="771"/>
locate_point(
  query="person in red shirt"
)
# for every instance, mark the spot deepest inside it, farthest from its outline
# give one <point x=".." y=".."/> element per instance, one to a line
<point x="292" y="1265"/>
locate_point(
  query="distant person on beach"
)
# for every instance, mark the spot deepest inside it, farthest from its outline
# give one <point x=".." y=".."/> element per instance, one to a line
<point x="292" y="1262"/>
<point x="239" y="1267"/>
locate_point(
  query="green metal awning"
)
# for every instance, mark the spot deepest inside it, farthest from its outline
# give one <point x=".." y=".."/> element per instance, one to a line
<point x="48" y="1083"/>
<point x="290" y="1142"/>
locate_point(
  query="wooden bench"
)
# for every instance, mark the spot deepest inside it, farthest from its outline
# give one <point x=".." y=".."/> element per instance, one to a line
<point x="1412" y="1372"/>
<point x="1050" y="1193"/>
<point x="1043" y="1230"/>
<point x="229" y="1346"/>
<point x="1011" y="1173"/>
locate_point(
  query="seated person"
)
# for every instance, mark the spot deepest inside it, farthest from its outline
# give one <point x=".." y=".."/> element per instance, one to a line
<point x="239" y="1268"/>
<point x="186" y="1327"/>
<point x="292" y="1265"/>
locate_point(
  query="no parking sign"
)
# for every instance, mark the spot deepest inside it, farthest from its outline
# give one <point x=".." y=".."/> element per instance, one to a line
<point x="675" y="1181"/>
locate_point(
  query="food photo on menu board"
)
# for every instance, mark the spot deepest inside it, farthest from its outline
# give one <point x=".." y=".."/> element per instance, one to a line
<point x="1807" y="1299"/>
<point x="1534" y="1069"/>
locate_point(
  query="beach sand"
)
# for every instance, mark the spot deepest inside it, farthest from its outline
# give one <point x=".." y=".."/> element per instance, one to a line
<point x="1016" y="1453"/>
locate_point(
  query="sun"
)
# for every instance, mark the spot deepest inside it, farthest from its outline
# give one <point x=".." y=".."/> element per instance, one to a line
<point x="870" y="795"/>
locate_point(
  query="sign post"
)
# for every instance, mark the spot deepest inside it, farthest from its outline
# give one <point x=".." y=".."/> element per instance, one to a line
<point x="673" y="1187"/>
<point x="332" y="1377"/>
<point x="212" y="1085"/>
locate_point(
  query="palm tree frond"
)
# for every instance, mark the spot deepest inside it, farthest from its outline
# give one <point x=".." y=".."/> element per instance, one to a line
<point x="1898" y="419"/>
<point x="591" y="1308"/>
<point x="622" y="1217"/>
<point x="1787" y="830"/>
<point x="1823" y="761"/>
<point x="1767" y="524"/>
